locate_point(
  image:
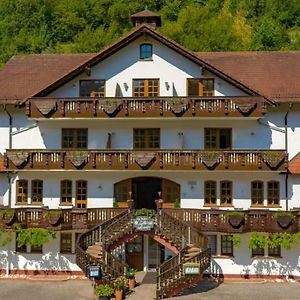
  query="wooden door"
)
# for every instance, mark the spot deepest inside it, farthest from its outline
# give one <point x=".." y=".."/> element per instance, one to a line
<point x="135" y="253"/>
<point x="170" y="192"/>
<point x="121" y="192"/>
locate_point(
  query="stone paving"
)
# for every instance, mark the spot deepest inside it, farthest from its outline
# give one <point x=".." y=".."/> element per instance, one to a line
<point x="82" y="290"/>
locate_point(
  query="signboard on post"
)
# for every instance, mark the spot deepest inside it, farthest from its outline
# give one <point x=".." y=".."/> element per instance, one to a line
<point x="191" y="269"/>
<point x="94" y="272"/>
<point x="143" y="223"/>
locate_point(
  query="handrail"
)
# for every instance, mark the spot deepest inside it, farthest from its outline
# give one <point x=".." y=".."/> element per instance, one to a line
<point x="112" y="267"/>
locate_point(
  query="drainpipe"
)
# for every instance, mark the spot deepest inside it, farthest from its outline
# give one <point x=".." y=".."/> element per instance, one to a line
<point x="286" y="149"/>
<point x="9" y="184"/>
<point x="9" y="147"/>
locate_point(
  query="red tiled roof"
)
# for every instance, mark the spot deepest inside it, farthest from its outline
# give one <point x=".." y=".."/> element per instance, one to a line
<point x="274" y="74"/>
<point x="271" y="74"/>
<point x="24" y="76"/>
<point x="294" y="164"/>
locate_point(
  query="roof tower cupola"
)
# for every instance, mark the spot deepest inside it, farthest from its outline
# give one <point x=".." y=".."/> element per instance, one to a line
<point x="146" y="17"/>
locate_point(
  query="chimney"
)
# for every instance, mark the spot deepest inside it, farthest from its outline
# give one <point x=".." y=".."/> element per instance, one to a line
<point x="146" y="17"/>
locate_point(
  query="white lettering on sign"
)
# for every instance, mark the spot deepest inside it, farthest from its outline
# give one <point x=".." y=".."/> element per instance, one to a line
<point x="143" y="223"/>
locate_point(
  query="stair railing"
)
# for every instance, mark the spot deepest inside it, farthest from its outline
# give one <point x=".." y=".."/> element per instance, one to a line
<point x="111" y="266"/>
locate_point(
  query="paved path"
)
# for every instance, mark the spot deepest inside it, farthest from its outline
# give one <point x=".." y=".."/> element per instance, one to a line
<point x="146" y="287"/>
<point x="82" y="290"/>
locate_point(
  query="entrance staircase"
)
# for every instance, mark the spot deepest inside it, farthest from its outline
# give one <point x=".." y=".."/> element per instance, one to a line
<point x="95" y="247"/>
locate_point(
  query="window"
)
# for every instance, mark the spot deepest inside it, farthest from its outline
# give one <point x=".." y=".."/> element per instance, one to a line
<point x="36" y="191"/>
<point x="146" y="51"/>
<point x="74" y="138"/>
<point x="226" y="192"/>
<point x="145" y="88"/>
<point x="258" y="252"/>
<point x="66" y="192"/>
<point x="22" y="191"/>
<point x="122" y="189"/>
<point x="170" y="191"/>
<point x="210" y="192"/>
<point x="65" y="242"/>
<point x="200" y="87"/>
<point x="226" y="245"/>
<point x="81" y="194"/>
<point x="144" y="138"/>
<point x="257" y="193"/>
<point x="212" y="244"/>
<point x="217" y="138"/>
<point x="273" y="193"/>
<point x="92" y="88"/>
<point x="276" y="251"/>
<point x="36" y="249"/>
<point x="22" y="248"/>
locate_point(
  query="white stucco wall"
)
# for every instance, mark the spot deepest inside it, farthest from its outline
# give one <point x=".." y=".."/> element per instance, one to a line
<point x="243" y="264"/>
<point x="50" y="259"/>
<point x="124" y="66"/>
<point x="100" y="186"/>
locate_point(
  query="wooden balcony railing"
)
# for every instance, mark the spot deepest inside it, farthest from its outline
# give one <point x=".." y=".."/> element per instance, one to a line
<point x="146" y="159"/>
<point x="155" y="107"/>
<point x="206" y="220"/>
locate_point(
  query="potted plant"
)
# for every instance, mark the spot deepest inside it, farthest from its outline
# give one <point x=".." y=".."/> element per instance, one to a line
<point x="284" y="218"/>
<point x="104" y="292"/>
<point x="130" y="275"/>
<point x="210" y="158"/>
<point x="119" y="286"/>
<point x="235" y="218"/>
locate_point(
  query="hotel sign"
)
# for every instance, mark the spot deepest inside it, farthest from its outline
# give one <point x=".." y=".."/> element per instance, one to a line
<point x="191" y="269"/>
<point x="143" y="223"/>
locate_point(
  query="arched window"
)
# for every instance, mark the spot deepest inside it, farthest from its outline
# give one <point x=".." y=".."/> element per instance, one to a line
<point x="146" y="51"/>
<point x="210" y="192"/>
<point x="257" y="193"/>
<point x="36" y="191"/>
<point x="273" y="193"/>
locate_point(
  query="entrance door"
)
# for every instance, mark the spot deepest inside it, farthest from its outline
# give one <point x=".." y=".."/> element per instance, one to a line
<point x="135" y="253"/>
<point x="145" y="192"/>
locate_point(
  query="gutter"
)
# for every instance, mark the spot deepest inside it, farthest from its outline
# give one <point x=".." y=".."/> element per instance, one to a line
<point x="286" y="149"/>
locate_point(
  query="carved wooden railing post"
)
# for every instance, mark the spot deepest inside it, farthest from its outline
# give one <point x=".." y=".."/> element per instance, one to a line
<point x="130" y="202"/>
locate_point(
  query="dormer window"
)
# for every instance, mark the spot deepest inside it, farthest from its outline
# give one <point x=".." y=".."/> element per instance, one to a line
<point x="92" y="88"/>
<point x="146" y="52"/>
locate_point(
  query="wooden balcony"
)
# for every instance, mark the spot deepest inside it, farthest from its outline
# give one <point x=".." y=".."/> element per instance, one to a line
<point x="156" y="107"/>
<point x="207" y="220"/>
<point x="27" y="159"/>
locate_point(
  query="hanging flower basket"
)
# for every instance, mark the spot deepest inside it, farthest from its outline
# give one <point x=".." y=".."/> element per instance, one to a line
<point x="45" y="106"/>
<point x="54" y="217"/>
<point x="245" y="108"/>
<point x="210" y="159"/>
<point x="272" y="159"/>
<point x="111" y="106"/>
<point x="178" y="106"/>
<point x="7" y="216"/>
<point x="284" y="221"/>
<point x="78" y="158"/>
<point x="18" y="158"/>
<point x="236" y="221"/>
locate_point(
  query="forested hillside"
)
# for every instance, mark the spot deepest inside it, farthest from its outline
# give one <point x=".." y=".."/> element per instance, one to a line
<point x="49" y="26"/>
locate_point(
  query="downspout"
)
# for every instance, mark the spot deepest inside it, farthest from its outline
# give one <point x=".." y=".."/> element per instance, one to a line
<point x="9" y="147"/>
<point x="9" y="184"/>
<point x="286" y="149"/>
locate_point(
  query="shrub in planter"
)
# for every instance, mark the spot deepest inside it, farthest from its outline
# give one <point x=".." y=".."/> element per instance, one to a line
<point x="119" y="286"/>
<point x="7" y="216"/>
<point x="53" y="217"/>
<point x="104" y="291"/>
<point x="235" y="218"/>
<point x="145" y="212"/>
<point x="284" y="218"/>
<point x="130" y="275"/>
